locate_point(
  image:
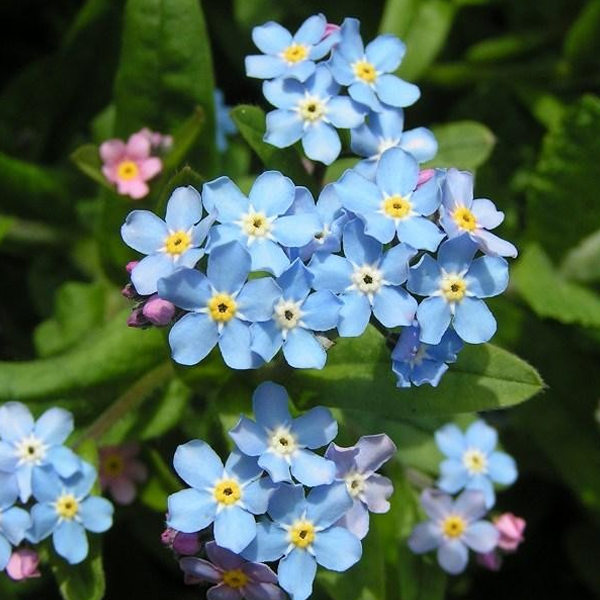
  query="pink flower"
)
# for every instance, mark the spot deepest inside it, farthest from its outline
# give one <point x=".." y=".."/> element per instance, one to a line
<point x="120" y="471"/>
<point x="157" y="140"/>
<point x="511" y="531"/>
<point x="23" y="564"/>
<point x="130" y="165"/>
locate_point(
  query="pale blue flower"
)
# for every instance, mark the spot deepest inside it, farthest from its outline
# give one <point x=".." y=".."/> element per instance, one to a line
<point x="222" y="305"/>
<point x="228" y="496"/>
<point x="297" y="315"/>
<point x="310" y="112"/>
<point x="368" y="281"/>
<point x="170" y="244"/>
<point x="453" y="528"/>
<point x="283" y="444"/>
<point x="224" y="123"/>
<point x="368" y="71"/>
<point x="455" y="284"/>
<point x="27" y="445"/>
<point x="472" y="460"/>
<point x="303" y="534"/>
<point x="66" y="510"/>
<point x="14" y="521"/>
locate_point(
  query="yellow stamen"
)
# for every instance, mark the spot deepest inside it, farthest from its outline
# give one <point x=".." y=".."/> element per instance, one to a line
<point x="295" y="53"/>
<point x="475" y="461"/>
<point x="127" y="170"/>
<point x="227" y="492"/>
<point x="311" y="109"/>
<point x="235" y="578"/>
<point x="464" y="219"/>
<point x="397" y="207"/>
<point x="454" y="288"/>
<point x="67" y="507"/>
<point x="453" y="526"/>
<point x="178" y="243"/>
<point x="302" y="534"/>
<point x="365" y="70"/>
<point x="113" y="465"/>
<point x="222" y="307"/>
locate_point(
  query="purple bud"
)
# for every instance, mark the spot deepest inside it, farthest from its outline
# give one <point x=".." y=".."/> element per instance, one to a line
<point x="129" y="291"/>
<point x="23" y="564"/>
<point x="167" y="537"/>
<point x="158" y="311"/>
<point x="137" y="318"/>
<point x="186" y="544"/>
<point x="131" y="265"/>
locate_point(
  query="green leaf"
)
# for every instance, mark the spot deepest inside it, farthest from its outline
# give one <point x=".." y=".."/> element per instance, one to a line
<point x="250" y="121"/>
<point x="464" y="145"/>
<point x="582" y="42"/>
<point x="337" y="169"/>
<point x="398" y="16"/>
<point x="6" y="223"/>
<point x="358" y="375"/>
<point x="420" y="577"/>
<point x="165" y="69"/>
<point x="84" y="581"/>
<point x="160" y="485"/>
<point x="562" y="200"/>
<point x="550" y="295"/>
<point x="87" y="159"/>
<point x="582" y="263"/>
<point x="184" y="139"/>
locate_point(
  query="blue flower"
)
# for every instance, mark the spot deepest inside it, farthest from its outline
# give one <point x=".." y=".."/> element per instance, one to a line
<point x="460" y="214"/>
<point x="228" y="496"/>
<point x="222" y="306"/>
<point x="310" y="111"/>
<point x="472" y="461"/>
<point x="224" y="123"/>
<point x="355" y="472"/>
<point x="297" y="315"/>
<point x="27" y="445"/>
<point x="382" y="131"/>
<point x="281" y="443"/>
<point x="415" y="363"/>
<point x="14" y="521"/>
<point x="367" y="72"/>
<point x="259" y="221"/>
<point x="169" y="244"/>
<point x="394" y="202"/>
<point x="287" y="56"/>
<point x="304" y="534"/>
<point x="455" y="285"/>
<point x="332" y="218"/>
<point x="367" y="281"/>
<point x="453" y="528"/>
<point x="66" y="510"/>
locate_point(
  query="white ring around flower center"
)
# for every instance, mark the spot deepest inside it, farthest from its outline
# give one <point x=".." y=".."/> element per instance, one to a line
<point x="282" y="442"/>
<point x="355" y="483"/>
<point x="475" y="461"/>
<point x="31" y="449"/>
<point x="367" y="279"/>
<point x="287" y="314"/>
<point x="386" y="144"/>
<point x="311" y="109"/>
<point x="256" y="224"/>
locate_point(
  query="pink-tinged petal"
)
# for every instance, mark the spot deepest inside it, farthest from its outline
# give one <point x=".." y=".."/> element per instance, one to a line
<point x="424" y="176"/>
<point x="137" y="471"/>
<point x="110" y="172"/>
<point x="259" y="572"/>
<point x="150" y="167"/>
<point x="201" y="569"/>
<point x="135" y="188"/>
<point x="112" y="151"/>
<point x="23" y="564"/>
<point x="122" y="490"/>
<point x="223" y="558"/>
<point x="138" y="147"/>
<point x="377" y="490"/>
<point x="511" y="530"/>
<point x="223" y="592"/>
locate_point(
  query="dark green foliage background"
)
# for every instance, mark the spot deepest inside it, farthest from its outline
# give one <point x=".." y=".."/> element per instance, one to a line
<point x="510" y="88"/>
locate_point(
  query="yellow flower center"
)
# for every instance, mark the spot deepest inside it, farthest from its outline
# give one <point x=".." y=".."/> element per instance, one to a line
<point x="311" y="109"/>
<point x="178" y="242"/>
<point x="222" y="307"/>
<point x="365" y="71"/>
<point x="453" y="526"/>
<point x="256" y="224"/>
<point x="464" y="219"/>
<point x="282" y="441"/>
<point x="454" y="288"/>
<point x="113" y="465"/>
<point x="67" y="507"/>
<point x="127" y="170"/>
<point x="235" y="578"/>
<point x="302" y="534"/>
<point x="475" y="461"/>
<point x="227" y="492"/>
<point x="397" y="207"/>
<point x="295" y="53"/>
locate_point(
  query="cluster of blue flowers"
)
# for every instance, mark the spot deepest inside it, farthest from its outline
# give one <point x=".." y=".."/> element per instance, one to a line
<point x="51" y="482"/>
<point x="472" y="466"/>
<point x="265" y="478"/>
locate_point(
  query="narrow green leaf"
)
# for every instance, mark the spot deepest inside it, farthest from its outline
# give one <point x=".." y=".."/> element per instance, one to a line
<point x="464" y="145"/>
<point x="250" y="121"/>
<point x="184" y="139"/>
<point x="398" y="16"/>
<point x="582" y="42"/>
<point x="550" y="295"/>
<point x="420" y="577"/>
<point x="87" y="159"/>
<point x="508" y="46"/>
<point x="582" y="263"/>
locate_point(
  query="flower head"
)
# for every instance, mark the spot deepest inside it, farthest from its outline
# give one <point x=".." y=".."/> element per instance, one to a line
<point x="14" y="521"/>
<point x="120" y="471"/>
<point x="454" y="286"/>
<point x="170" y="244"/>
<point x="310" y="112"/>
<point x="304" y="533"/>
<point x="472" y="460"/>
<point x="368" y="71"/>
<point x="27" y="445"/>
<point x="129" y="165"/>
<point x="453" y="528"/>
<point x="285" y="55"/>
<point x="355" y="472"/>
<point x="283" y="444"/>
<point x="235" y="578"/>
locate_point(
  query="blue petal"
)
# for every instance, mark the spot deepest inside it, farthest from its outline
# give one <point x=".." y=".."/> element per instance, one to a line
<point x="403" y="373"/>
<point x="268" y="256"/>
<point x="302" y="70"/>
<point x="356" y="520"/>
<point x="149" y="270"/>
<point x="15" y="522"/>
<point x="354" y="315"/>
<point x="458" y="189"/>
<point x="315" y="428"/>
<point x="326" y="504"/>
<point x="287" y="503"/>
<point x="363" y="94"/>
<point x="144" y="231"/>
<point x="487" y="276"/>
<point x="493" y="245"/>
<point x="420" y="142"/>
<point x="311" y="31"/>
<point x="340" y="69"/>
<point x="234" y="344"/>
<point x="197" y="464"/>
<point x="363" y="141"/>
<point x="420" y="233"/>
<point x="284" y="128"/>
<point x="270" y="405"/>
<point x="9" y="490"/>
<point x="358" y="194"/>
<point x="228" y="267"/>
<point x="184" y="208"/>
<point x="502" y="468"/>
<point x="322" y="83"/>
<point x="481" y="483"/>
<point x="397" y="172"/>
<point x="434" y="318"/>
<point x="257" y="495"/>
<point x="269" y="544"/>
<point x="272" y="193"/>
<point x="192" y="338"/>
<point x="24" y="481"/>
<point x="244" y="468"/>
<point x="359" y="248"/>
<point x="45" y="484"/>
<point x="385" y="52"/>
<point x="96" y="514"/>
<point x="473" y="321"/>
<point x="296" y="573"/>
<point x="453" y="476"/>
<point x="295" y="231"/>
<point x="295" y="281"/>
<point x="266" y="339"/>
<point x="424" y="277"/>
<point x="322" y="143"/>
<point x="264" y="66"/>
<point x="283" y="93"/>
<point x="480" y="435"/>
<point x="451" y="441"/>
<point x="330" y="272"/>
<point x="190" y="510"/>
<point x="16" y="421"/>
<point x="395" y="263"/>
<point x="234" y="528"/>
<point x="427" y="197"/>
<point x="5" y="552"/>
<point x="82" y="482"/>
<point x="436" y="505"/>
<point x="271" y="38"/>
<point x="43" y="522"/>
<point x="311" y="469"/>
<point x="481" y="537"/>
<point x="455" y="255"/>
<point x="303" y="351"/>
<point x="453" y="556"/>
<point x="224" y="233"/>
<point x="187" y="288"/>
<point x="351" y="44"/>
<point x="225" y="197"/>
<point x="276" y="466"/>
<point x="425" y="537"/>
<point x="70" y="542"/>
<point x="249" y="437"/>
<point x="388" y="123"/>
<point x="393" y="306"/>
<point x="257" y="299"/>
<point x="321" y="311"/>
<point x="396" y="92"/>
<point x="54" y="426"/>
<point x="337" y="549"/>
<point x="486" y="214"/>
<point x="64" y="461"/>
<point x="344" y="113"/>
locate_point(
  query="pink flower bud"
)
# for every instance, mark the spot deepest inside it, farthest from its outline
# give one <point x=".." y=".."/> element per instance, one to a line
<point x="490" y="560"/>
<point x="167" y="537"/>
<point x="511" y="530"/>
<point x="158" y="311"/>
<point x="131" y="265"/>
<point x="186" y="544"/>
<point x="137" y="318"/>
<point x="330" y="28"/>
<point x="129" y="292"/>
<point x="23" y="564"/>
<point x="424" y="176"/>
